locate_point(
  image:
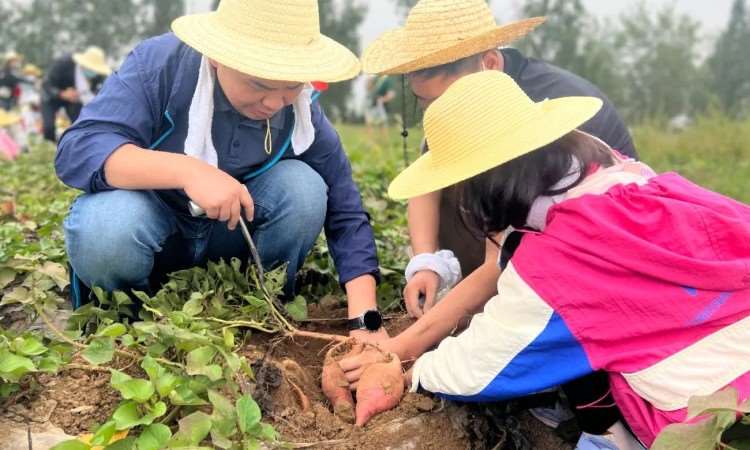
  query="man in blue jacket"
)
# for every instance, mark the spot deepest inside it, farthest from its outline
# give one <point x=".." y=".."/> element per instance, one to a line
<point x="221" y="113"/>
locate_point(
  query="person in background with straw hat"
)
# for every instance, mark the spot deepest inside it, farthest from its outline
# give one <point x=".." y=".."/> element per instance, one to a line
<point x="10" y="79"/>
<point x="71" y="82"/>
<point x="607" y="266"/>
<point x="29" y="101"/>
<point x="221" y="113"/>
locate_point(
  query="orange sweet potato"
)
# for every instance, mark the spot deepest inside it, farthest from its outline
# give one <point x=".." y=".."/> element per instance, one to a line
<point x="379" y="389"/>
<point x="334" y="382"/>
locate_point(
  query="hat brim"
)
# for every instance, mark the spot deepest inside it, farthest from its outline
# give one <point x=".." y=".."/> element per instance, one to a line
<point x="393" y="54"/>
<point x="9" y="119"/>
<point x="95" y="66"/>
<point x="322" y="60"/>
<point x="554" y="119"/>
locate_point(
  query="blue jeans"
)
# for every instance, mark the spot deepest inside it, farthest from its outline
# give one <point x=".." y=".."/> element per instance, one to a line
<point x="118" y="239"/>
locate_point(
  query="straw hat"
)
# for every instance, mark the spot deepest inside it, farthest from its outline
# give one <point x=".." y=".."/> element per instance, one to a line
<point x="482" y="121"/>
<point x="8" y="118"/>
<point x="439" y="32"/>
<point x="93" y="59"/>
<point x="275" y="40"/>
<point x="32" y="70"/>
<point x="12" y="55"/>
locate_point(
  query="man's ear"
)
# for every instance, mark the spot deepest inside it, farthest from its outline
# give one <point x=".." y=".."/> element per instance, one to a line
<point x="492" y="60"/>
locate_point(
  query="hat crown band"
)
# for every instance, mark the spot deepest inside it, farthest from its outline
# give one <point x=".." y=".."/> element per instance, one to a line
<point x="283" y="22"/>
<point x="445" y="127"/>
<point x="440" y="17"/>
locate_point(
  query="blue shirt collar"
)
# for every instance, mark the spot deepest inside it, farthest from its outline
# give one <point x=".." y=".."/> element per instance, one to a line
<point x="221" y="104"/>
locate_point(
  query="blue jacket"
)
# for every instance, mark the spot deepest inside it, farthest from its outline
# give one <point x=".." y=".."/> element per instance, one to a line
<point x="147" y="101"/>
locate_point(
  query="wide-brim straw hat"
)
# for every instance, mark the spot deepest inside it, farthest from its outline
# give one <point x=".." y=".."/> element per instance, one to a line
<point x="32" y="70"/>
<point x="94" y="60"/>
<point x="439" y="32"/>
<point x="8" y="118"/>
<point x="483" y="121"/>
<point x="274" y="40"/>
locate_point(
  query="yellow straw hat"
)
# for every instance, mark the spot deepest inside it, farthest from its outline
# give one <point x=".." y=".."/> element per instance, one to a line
<point x="8" y="118"/>
<point x="483" y="121"/>
<point x="274" y="40"/>
<point x="93" y="59"/>
<point x="440" y="32"/>
<point x="32" y="70"/>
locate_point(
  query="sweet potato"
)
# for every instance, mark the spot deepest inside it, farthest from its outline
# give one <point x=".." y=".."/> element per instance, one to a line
<point x="334" y="382"/>
<point x="379" y="389"/>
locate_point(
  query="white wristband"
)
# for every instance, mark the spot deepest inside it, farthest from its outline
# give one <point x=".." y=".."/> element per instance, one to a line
<point x="443" y="263"/>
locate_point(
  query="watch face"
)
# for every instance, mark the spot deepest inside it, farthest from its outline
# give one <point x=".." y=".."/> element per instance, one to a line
<point x="373" y="320"/>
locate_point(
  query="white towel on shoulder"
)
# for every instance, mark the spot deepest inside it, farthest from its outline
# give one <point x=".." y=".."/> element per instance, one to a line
<point x="199" y="141"/>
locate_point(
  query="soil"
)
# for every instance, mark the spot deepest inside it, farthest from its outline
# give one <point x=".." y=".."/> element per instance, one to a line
<point x="76" y="400"/>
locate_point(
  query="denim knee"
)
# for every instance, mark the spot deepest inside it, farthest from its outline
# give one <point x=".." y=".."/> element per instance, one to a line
<point x="111" y="237"/>
<point x="296" y="196"/>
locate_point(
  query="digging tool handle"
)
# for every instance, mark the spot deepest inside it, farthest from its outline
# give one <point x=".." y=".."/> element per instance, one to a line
<point x="197" y="211"/>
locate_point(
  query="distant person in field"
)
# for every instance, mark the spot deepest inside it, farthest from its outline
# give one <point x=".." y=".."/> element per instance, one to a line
<point x="29" y="101"/>
<point x="221" y="113"/>
<point x="10" y="80"/>
<point x="71" y="82"/>
<point x="380" y="93"/>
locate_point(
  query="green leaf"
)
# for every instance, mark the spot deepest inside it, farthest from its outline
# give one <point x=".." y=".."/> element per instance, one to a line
<point x="248" y="413"/>
<point x="222" y="405"/>
<point x="228" y="336"/>
<point x="184" y="396"/>
<point x="194" y="306"/>
<point x="19" y="294"/>
<point x="123" y="444"/>
<point x="703" y="435"/>
<point x="199" y="358"/>
<point x="7" y="276"/>
<point x="153" y="437"/>
<point x="131" y="388"/>
<point x="29" y="346"/>
<point x="7" y="389"/>
<point x="101" y="350"/>
<point x="73" y="444"/>
<point x="193" y="428"/>
<point x="127" y="416"/>
<point x="114" y="330"/>
<point x="297" y="309"/>
<point x="265" y="432"/>
<point x="121" y="298"/>
<point x="198" y="363"/>
<point x="166" y="383"/>
<point x="725" y="399"/>
<point x="152" y="368"/>
<point x="57" y="273"/>
<point x="104" y="433"/>
<point x="14" y="367"/>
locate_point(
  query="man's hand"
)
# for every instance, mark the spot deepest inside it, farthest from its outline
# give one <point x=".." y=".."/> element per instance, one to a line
<point x="70" y="95"/>
<point x="220" y="195"/>
<point x="425" y="282"/>
<point x="370" y="337"/>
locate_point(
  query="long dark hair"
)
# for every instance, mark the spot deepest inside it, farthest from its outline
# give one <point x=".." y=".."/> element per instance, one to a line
<point x="502" y="197"/>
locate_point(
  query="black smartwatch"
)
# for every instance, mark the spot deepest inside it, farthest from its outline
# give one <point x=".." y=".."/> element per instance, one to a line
<point x="370" y="320"/>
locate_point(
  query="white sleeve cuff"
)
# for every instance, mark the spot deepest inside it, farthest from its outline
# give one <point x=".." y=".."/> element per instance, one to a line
<point x="443" y="263"/>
